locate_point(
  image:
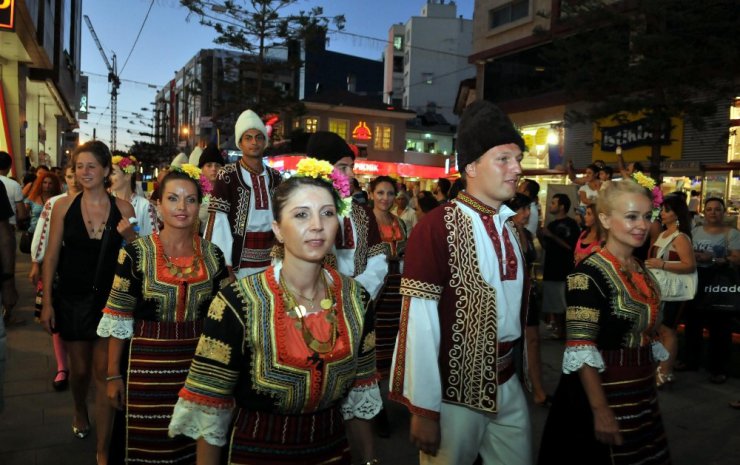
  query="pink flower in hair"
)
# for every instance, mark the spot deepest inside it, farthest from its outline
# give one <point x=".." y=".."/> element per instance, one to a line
<point x="340" y="183"/>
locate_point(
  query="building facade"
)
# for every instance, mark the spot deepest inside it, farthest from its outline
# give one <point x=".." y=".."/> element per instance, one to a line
<point x="39" y="79"/>
<point x="512" y="71"/>
<point x="426" y="58"/>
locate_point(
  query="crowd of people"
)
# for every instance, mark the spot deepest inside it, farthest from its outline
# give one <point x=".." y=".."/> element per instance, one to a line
<point x="245" y="317"/>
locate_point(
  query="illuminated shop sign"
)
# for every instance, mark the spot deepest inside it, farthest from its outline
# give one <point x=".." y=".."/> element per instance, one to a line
<point x="362" y="132"/>
<point x="7" y="14"/>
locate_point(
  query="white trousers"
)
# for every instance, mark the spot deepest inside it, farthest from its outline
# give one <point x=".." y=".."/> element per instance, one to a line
<point x="504" y="438"/>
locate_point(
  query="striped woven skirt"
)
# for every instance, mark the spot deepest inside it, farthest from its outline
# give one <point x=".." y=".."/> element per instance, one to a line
<point x="260" y="438"/>
<point x="159" y="359"/>
<point x="629" y="385"/>
<point x="387" y="318"/>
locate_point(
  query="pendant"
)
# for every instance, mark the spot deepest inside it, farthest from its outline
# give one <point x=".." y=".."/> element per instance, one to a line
<point x="326" y="304"/>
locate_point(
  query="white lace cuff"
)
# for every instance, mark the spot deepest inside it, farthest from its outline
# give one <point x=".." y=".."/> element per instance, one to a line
<point x="200" y="421"/>
<point x="362" y="402"/>
<point x="575" y="357"/>
<point x="660" y="353"/>
<point x="120" y="328"/>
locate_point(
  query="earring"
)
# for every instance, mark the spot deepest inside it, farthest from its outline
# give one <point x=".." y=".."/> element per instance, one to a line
<point x="678" y="223"/>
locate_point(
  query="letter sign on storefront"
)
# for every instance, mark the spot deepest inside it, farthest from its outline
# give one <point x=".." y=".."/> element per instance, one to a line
<point x="362" y="132"/>
<point x="7" y="16"/>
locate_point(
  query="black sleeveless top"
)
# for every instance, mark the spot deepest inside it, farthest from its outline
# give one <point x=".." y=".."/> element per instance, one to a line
<point x="78" y="259"/>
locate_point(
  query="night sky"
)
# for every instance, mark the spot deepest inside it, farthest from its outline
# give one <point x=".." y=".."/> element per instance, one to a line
<point x="168" y="41"/>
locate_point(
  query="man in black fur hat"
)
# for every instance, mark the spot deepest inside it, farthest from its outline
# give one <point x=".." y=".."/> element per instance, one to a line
<point x="464" y="291"/>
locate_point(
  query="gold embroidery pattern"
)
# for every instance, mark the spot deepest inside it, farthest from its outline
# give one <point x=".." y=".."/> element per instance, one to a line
<point x="362" y="225"/>
<point x="216" y="310"/>
<point x="583" y="314"/>
<point x="472" y="378"/>
<point x="213" y="349"/>
<point x="415" y="288"/>
<point x="121" y="256"/>
<point x="380" y="249"/>
<point x="121" y="284"/>
<point x="369" y="342"/>
<point x="242" y="212"/>
<point x="578" y="282"/>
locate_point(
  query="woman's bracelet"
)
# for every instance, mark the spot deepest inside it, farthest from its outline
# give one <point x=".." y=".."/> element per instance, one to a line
<point x="113" y="378"/>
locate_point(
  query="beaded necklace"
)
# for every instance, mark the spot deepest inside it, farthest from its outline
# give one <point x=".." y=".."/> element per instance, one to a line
<point x="185" y="271"/>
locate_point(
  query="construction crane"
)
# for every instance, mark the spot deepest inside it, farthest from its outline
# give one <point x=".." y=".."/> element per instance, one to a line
<point x="115" y="83"/>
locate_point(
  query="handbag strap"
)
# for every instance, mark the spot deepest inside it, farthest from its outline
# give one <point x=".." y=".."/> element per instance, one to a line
<point x="664" y="247"/>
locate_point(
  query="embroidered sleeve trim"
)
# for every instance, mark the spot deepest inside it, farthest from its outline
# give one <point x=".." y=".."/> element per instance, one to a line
<point x="362" y="402"/>
<point x="582" y="314"/>
<point x="422" y="412"/>
<point x="379" y="249"/>
<point x="576" y="357"/>
<point x="660" y="353"/>
<point x="120" y="326"/>
<point x="199" y="421"/>
<point x="214" y="349"/>
<point x="577" y="282"/>
<point x="415" y="288"/>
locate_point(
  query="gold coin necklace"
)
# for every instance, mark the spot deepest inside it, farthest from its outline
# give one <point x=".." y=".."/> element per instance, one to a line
<point x="299" y="312"/>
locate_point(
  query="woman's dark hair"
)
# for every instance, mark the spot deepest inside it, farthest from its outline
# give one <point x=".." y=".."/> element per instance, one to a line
<point x="715" y="199"/>
<point x="426" y="201"/>
<point x="608" y="170"/>
<point x="174" y="175"/>
<point x="457" y="187"/>
<point x="286" y="188"/>
<point x="444" y="186"/>
<point x="676" y="204"/>
<point x="100" y="151"/>
<point x="381" y="179"/>
<point x="637" y="166"/>
<point x="518" y="201"/>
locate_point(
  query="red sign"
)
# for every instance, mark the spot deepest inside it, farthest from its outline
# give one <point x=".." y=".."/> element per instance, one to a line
<point x="7" y="14"/>
<point x="362" y="132"/>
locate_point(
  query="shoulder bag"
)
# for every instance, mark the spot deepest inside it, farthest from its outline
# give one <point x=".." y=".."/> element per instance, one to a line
<point x="674" y="286"/>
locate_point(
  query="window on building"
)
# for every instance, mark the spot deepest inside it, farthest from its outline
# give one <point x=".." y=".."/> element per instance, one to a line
<point x="515" y="10"/>
<point x="311" y="124"/>
<point x="427" y="78"/>
<point x="398" y="64"/>
<point x="339" y="126"/>
<point x="398" y="42"/>
<point x="383" y="137"/>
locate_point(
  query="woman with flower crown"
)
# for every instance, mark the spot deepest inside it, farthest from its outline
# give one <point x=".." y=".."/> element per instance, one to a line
<point x="605" y="409"/>
<point x="285" y="369"/>
<point x="162" y="288"/>
<point x="123" y="186"/>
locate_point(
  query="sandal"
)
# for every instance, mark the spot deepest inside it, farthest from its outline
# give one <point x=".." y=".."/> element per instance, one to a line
<point x="81" y="433"/>
<point x="661" y="379"/>
<point x="61" y="380"/>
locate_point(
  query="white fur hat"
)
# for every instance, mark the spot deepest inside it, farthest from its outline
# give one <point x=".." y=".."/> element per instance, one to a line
<point x="195" y="156"/>
<point x="179" y="160"/>
<point x="249" y="120"/>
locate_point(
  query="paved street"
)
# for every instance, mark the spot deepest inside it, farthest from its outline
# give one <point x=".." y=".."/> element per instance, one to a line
<point x="35" y="426"/>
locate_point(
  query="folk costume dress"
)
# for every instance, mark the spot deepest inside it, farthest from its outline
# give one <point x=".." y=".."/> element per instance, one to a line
<point x="611" y="323"/>
<point x="388" y="305"/>
<point x="159" y="303"/>
<point x="290" y="400"/>
<point x="359" y="251"/>
<point x="240" y="219"/>
<point x="464" y="291"/>
<point x="146" y="215"/>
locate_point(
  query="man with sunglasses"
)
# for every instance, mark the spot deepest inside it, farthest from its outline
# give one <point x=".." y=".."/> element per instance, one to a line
<point x="240" y="209"/>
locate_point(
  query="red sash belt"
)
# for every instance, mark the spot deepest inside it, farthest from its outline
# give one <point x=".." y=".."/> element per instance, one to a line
<point x="256" y="252"/>
<point x="505" y="361"/>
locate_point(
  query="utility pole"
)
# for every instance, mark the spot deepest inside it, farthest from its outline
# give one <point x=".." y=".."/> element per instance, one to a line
<point x="115" y="84"/>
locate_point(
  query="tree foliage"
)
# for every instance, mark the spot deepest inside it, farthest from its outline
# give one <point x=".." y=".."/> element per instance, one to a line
<point x="258" y="28"/>
<point x="665" y="58"/>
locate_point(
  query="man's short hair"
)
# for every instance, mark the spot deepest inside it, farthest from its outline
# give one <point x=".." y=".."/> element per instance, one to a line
<point x="5" y="161"/>
<point x="444" y="185"/>
<point x="563" y="200"/>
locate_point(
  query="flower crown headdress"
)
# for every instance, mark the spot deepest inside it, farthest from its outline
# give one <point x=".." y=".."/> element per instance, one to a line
<point x="655" y="193"/>
<point x="320" y="169"/>
<point x="127" y="163"/>
<point x="195" y="173"/>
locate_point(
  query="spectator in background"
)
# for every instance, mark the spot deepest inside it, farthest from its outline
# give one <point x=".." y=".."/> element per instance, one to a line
<point x="592" y="236"/>
<point x="46" y="186"/>
<point x="442" y="190"/>
<point x="425" y="202"/>
<point x="531" y="189"/>
<point x="558" y="239"/>
<point x="404" y="211"/>
<point x="359" y="195"/>
<point x="13" y="191"/>
<point x="694" y="202"/>
<point x="29" y="180"/>
<point x="588" y="192"/>
<point x="8" y="292"/>
<point x="457" y="187"/>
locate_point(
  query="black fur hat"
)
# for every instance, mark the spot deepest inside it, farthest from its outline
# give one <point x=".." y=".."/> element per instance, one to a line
<point x="483" y="126"/>
<point x="328" y="146"/>
<point x="211" y="154"/>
